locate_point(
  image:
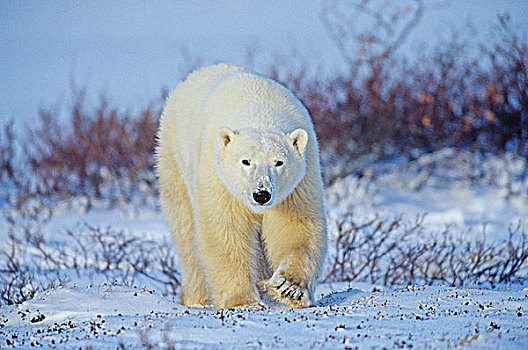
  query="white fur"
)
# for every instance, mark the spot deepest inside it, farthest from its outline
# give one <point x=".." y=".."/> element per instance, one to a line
<point x="225" y="133"/>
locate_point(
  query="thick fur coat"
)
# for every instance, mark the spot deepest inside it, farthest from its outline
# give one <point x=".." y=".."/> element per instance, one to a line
<point x="241" y="188"/>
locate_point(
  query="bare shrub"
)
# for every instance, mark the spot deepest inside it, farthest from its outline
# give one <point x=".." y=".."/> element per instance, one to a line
<point x="7" y="152"/>
<point x="100" y="153"/>
<point x="505" y="90"/>
<point x="393" y="252"/>
<point x="20" y="279"/>
<point x="16" y="280"/>
<point x="31" y="260"/>
<point x="381" y="251"/>
<point x="387" y="104"/>
<point x="384" y="103"/>
<point x="365" y="30"/>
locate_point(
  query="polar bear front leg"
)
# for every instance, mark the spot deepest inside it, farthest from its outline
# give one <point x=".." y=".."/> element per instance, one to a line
<point x="296" y="245"/>
<point x="225" y="251"/>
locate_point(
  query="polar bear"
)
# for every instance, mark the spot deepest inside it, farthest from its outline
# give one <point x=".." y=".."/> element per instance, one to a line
<point x="241" y="189"/>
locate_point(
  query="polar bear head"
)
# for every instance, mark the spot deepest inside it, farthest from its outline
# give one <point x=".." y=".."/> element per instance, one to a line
<point x="260" y="167"/>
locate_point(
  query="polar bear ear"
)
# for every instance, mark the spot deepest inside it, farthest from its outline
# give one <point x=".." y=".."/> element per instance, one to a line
<point x="298" y="139"/>
<point x="225" y="136"/>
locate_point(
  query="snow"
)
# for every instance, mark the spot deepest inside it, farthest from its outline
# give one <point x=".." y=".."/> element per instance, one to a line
<point x="107" y="317"/>
<point x="456" y="204"/>
<point x="89" y="310"/>
<point x="79" y="304"/>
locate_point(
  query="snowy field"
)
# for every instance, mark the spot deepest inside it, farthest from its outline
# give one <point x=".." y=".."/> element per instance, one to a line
<point x="105" y="273"/>
<point x="94" y="310"/>
<point x="348" y="317"/>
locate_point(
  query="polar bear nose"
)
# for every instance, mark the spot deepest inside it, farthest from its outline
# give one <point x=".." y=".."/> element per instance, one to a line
<point x="261" y="197"/>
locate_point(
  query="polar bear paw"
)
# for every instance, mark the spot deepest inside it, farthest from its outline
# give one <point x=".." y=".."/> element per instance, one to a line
<point x="284" y="290"/>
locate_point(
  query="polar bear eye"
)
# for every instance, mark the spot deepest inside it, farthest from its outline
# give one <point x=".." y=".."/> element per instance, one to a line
<point x="245" y="162"/>
<point x="279" y="163"/>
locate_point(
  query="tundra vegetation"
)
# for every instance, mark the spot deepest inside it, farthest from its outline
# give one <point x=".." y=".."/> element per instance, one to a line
<point x="384" y="107"/>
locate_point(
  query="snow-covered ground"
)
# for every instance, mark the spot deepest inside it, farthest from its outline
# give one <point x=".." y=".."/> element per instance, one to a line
<point x="111" y="317"/>
<point x="93" y="311"/>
